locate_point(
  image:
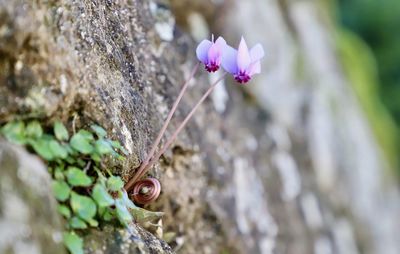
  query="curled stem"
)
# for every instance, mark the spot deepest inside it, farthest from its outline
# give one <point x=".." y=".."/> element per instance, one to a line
<point x="130" y="183"/>
<point x="179" y="129"/>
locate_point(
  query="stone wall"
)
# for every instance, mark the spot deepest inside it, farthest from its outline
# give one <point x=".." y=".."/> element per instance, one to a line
<point x="286" y="164"/>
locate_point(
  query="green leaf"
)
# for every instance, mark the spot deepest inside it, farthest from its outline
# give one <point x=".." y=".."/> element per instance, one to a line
<point x="64" y="211"/>
<point x="95" y="157"/>
<point x="117" y="145"/>
<point x="115" y="183"/>
<point x="107" y="215"/>
<point x="34" y="130"/>
<point x="81" y="142"/>
<point x="60" y="131"/>
<point x="103" y="147"/>
<point x="14" y="132"/>
<point x="81" y="162"/>
<point x="101" y="133"/>
<point x="57" y="150"/>
<point x="101" y="196"/>
<point x="61" y="190"/>
<point x="93" y="223"/>
<point x="143" y="215"/>
<point x="77" y="177"/>
<point x="73" y="242"/>
<point x="123" y="213"/>
<point x="77" y="223"/>
<point x="59" y="173"/>
<point x="42" y="148"/>
<point x="86" y="134"/>
<point x="70" y="160"/>
<point x="83" y="206"/>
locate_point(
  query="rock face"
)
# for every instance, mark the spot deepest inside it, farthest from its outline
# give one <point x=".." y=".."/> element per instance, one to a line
<point x="29" y="222"/>
<point x="288" y="165"/>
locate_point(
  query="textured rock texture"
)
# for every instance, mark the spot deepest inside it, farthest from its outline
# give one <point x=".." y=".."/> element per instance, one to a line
<point x="29" y="222"/>
<point x="287" y="165"/>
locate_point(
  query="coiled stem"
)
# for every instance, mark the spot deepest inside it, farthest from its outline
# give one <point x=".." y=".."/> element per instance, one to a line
<point x="146" y="191"/>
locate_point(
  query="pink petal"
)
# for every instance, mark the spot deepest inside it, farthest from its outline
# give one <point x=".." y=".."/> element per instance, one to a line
<point x="202" y="50"/>
<point x="215" y="51"/>
<point x="228" y="61"/>
<point x="243" y="57"/>
<point x="255" y="68"/>
<point x="256" y="53"/>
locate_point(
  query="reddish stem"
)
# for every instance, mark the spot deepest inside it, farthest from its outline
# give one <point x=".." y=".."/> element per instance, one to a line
<point x="130" y="183"/>
<point x="179" y="129"/>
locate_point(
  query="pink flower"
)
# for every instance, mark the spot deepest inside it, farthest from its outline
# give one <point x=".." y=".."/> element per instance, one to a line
<point x="210" y="53"/>
<point x="242" y="63"/>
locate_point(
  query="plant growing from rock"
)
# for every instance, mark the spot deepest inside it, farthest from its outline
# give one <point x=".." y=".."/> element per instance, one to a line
<point x="241" y="63"/>
<point x="86" y="195"/>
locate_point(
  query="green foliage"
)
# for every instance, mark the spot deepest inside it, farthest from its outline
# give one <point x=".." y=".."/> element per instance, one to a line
<point x="60" y="131"/>
<point x="77" y="177"/>
<point x="377" y="24"/>
<point x="73" y="242"/>
<point x="81" y="142"/>
<point x="61" y="190"/>
<point x="85" y="195"/>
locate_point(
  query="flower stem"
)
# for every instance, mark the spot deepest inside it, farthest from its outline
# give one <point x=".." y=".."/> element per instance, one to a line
<point x="179" y="129"/>
<point x="130" y="183"/>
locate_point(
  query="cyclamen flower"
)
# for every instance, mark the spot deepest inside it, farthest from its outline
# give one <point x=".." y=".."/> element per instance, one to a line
<point x="242" y="63"/>
<point x="210" y="53"/>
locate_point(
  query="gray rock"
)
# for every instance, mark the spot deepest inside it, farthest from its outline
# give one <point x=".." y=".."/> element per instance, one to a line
<point x="289" y="165"/>
<point x="29" y="222"/>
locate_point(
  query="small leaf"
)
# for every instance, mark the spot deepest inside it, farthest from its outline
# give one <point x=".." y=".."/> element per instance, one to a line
<point x="101" y="196"/>
<point x="143" y="215"/>
<point x="93" y="223"/>
<point x="77" y="223"/>
<point x="73" y="242"/>
<point x="57" y="150"/>
<point x="115" y="183"/>
<point x="83" y="206"/>
<point x="61" y="190"/>
<point x="101" y="133"/>
<point x="117" y="145"/>
<point x="70" y="160"/>
<point x="64" y="211"/>
<point x="34" y="130"/>
<point x="123" y="213"/>
<point x="42" y="148"/>
<point x="81" y="163"/>
<point x="103" y="147"/>
<point x="77" y="177"/>
<point x="60" y="131"/>
<point x="14" y="132"/>
<point x="81" y="142"/>
<point x="95" y="157"/>
<point x="59" y="173"/>
<point x="107" y="215"/>
<point x="87" y="135"/>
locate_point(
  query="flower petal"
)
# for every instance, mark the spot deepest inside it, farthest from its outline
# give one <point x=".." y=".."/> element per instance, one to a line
<point x="215" y="51"/>
<point x="255" y="68"/>
<point x="256" y="53"/>
<point x="228" y="60"/>
<point x="202" y="50"/>
<point x="243" y="57"/>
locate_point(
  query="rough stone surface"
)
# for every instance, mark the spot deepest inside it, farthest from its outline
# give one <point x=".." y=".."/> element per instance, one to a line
<point x="29" y="222"/>
<point x="288" y="165"/>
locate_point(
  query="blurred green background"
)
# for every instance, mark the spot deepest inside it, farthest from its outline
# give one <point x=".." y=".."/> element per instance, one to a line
<point x="369" y="42"/>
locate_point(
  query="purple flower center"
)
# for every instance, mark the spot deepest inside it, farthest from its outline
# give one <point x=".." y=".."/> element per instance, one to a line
<point x="242" y="77"/>
<point x="212" y="66"/>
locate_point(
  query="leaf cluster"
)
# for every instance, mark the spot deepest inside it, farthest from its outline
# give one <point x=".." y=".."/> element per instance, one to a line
<point x="85" y="195"/>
